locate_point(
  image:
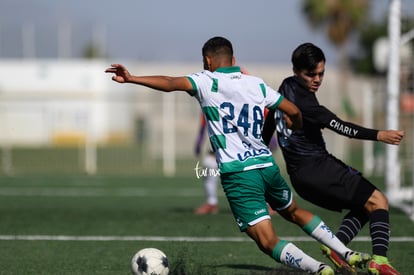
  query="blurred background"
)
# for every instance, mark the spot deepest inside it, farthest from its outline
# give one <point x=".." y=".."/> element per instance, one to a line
<point x="59" y="112"/>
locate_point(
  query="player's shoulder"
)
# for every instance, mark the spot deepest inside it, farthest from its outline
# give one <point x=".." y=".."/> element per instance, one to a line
<point x="200" y="74"/>
<point x="289" y="81"/>
<point x="289" y="84"/>
<point x="252" y="79"/>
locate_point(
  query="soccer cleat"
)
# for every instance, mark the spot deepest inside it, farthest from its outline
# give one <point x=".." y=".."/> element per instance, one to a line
<point x="365" y="259"/>
<point x="357" y="259"/>
<point x="206" y="209"/>
<point x="325" y="269"/>
<point x="380" y="265"/>
<point x="340" y="264"/>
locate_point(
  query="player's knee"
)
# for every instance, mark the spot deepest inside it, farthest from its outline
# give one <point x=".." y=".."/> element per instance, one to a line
<point x="292" y="213"/>
<point x="377" y="201"/>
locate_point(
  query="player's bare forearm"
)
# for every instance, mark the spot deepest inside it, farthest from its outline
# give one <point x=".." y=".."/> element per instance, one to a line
<point x="158" y="82"/>
<point x="161" y="82"/>
<point x="295" y="121"/>
<point x="390" y="136"/>
<point x="294" y="116"/>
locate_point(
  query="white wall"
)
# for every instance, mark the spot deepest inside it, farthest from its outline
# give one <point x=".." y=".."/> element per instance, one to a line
<point x="39" y="99"/>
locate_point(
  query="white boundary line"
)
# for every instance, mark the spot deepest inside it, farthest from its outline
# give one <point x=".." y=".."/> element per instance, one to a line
<point x="166" y="239"/>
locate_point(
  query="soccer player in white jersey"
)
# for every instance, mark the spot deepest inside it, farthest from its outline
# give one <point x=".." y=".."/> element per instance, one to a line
<point x="233" y="104"/>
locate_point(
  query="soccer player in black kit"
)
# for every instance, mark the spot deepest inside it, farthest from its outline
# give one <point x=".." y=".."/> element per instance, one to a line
<point x="319" y="177"/>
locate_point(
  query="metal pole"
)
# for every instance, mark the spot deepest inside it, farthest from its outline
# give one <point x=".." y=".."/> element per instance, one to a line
<point x="393" y="167"/>
<point x="368" y="146"/>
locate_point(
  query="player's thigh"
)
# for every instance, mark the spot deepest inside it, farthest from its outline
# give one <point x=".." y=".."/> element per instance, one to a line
<point x="278" y="194"/>
<point x="245" y="194"/>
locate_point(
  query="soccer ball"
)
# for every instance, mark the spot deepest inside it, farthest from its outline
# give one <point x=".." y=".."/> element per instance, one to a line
<point x="149" y="261"/>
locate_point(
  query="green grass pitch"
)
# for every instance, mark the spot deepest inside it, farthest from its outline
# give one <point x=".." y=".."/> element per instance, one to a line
<point x="74" y="224"/>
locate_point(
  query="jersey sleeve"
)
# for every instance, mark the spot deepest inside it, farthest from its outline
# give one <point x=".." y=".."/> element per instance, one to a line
<point x="273" y="98"/>
<point x="327" y="119"/>
<point x="194" y="91"/>
<point x="198" y="81"/>
<point x="351" y="130"/>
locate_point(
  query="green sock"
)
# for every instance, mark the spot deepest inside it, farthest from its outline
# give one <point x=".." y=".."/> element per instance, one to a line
<point x="277" y="250"/>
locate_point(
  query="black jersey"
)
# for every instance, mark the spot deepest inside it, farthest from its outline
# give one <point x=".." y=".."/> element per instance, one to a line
<point x="299" y="145"/>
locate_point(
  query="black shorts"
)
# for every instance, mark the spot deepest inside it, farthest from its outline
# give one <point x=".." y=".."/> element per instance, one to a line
<point x="329" y="183"/>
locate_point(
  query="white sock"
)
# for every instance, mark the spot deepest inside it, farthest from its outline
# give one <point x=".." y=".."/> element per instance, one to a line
<point x="321" y="232"/>
<point x="290" y="255"/>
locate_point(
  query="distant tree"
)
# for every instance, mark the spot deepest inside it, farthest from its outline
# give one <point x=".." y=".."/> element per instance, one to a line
<point x="92" y="51"/>
<point x="340" y="19"/>
<point x="363" y="62"/>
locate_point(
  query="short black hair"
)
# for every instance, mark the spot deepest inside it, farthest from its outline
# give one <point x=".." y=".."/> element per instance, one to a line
<point x="218" y="46"/>
<point x="307" y="56"/>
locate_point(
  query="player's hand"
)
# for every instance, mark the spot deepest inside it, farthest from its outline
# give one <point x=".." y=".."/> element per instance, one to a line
<point x="390" y="136"/>
<point x="121" y="73"/>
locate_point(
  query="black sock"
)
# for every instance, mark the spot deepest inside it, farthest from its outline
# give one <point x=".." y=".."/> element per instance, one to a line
<point x="380" y="231"/>
<point x="351" y="225"/>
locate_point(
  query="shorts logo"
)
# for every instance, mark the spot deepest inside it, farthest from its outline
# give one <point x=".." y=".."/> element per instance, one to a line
<point x="239" y="222"/>
<point x="259" y="211"/>
<point x="285" y="195"/>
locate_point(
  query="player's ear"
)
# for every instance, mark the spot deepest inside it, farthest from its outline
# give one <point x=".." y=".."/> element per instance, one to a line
<point x="233" y="61"/>
<point x="207" y="62"/>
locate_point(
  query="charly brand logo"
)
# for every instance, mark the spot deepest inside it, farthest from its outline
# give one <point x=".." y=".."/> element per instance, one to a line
<point x="205" y="172"/>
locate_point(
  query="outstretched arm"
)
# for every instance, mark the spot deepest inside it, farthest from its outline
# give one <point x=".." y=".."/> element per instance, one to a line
<point x="158" y="82"/>
<point x="355" y="131"/>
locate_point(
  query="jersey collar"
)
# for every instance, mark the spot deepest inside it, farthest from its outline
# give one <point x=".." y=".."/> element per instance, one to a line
<point x="228" y="70"/>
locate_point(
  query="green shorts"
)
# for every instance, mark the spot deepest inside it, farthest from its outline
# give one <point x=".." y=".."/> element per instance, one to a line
<point x="248" y="191"/>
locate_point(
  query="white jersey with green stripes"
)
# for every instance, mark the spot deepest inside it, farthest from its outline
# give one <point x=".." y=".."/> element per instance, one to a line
<point x="233" y="104"/>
